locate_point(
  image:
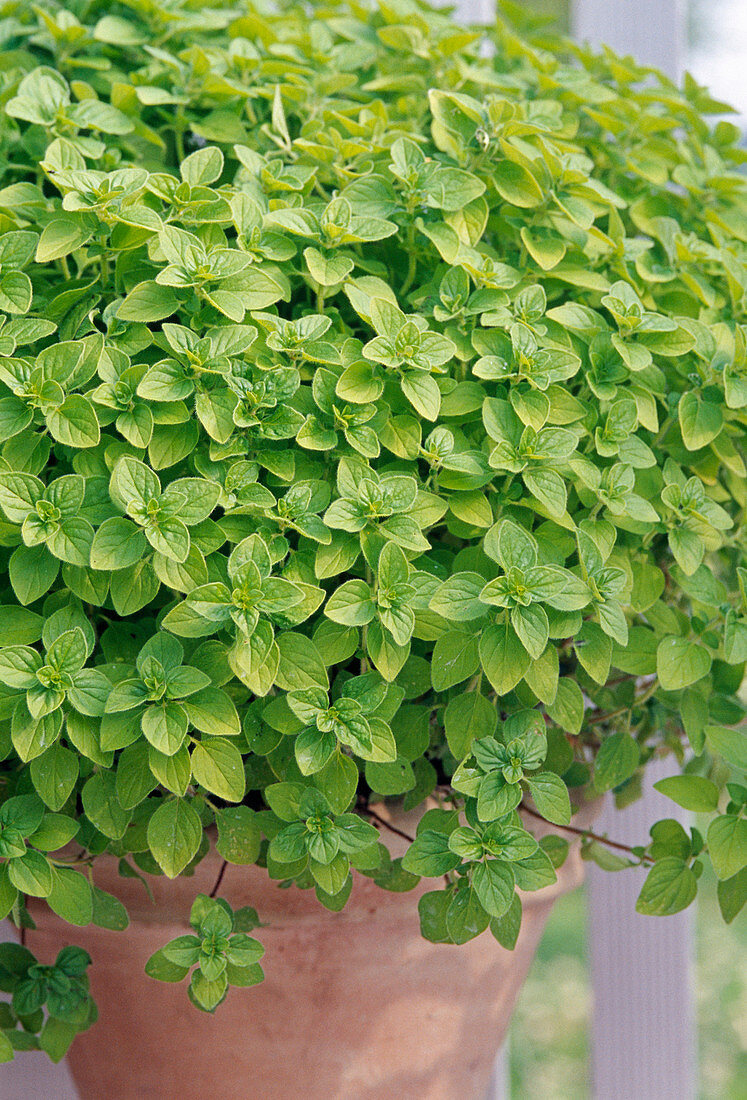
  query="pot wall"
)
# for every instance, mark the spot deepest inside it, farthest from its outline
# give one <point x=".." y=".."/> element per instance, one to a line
<point x="355" y="1005"/>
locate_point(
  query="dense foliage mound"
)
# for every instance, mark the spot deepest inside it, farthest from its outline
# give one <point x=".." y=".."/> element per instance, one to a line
<point x="372" y="426"/>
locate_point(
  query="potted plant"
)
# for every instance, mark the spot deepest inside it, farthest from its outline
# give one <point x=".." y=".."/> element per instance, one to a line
<point x="372" y="478"/>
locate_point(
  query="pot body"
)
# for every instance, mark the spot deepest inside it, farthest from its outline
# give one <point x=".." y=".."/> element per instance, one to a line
<point x="355" y="1005"/>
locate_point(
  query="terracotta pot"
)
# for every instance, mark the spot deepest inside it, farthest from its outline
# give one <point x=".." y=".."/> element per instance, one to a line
<point x="355" y="1005"/>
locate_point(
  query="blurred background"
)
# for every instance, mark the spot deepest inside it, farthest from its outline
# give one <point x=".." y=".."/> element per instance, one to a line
<point x="717" y="50"/>
<point x="549" y="1042"/>
<point x="715" y="42"/>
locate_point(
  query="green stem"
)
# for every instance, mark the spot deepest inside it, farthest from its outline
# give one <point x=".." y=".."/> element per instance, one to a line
<point x="637" y="702"/>
<point x="412" y="262"/>
<point x="179" y="127"/>
<point x="662" y="431"/>
<point x="387" y="825"/>
<point x="589" y="835"/>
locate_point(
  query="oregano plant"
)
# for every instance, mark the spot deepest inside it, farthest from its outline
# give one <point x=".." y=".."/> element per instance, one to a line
<point x="372" y="427"/>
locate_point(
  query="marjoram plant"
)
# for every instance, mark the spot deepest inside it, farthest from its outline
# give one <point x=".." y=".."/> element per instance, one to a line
<point x="372" y="427"/>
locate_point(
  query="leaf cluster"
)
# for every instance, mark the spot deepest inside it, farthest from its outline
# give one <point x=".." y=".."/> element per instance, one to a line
<point x="372" y="426"/>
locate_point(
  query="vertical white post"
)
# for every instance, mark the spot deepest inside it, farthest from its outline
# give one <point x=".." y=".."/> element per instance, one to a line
<point x="643" y="1024"/>
<point x="474" y="11"/>
<point x="500" y="1082"/>
<point x="643" y="1019"/>
<point x="653" y="31"/>
<point x="469" y="11"/>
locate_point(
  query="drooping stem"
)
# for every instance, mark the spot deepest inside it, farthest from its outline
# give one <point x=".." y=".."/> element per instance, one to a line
<point x="219" y="879"/>
<point x="588" y="834"/>
<point x="387" y="825"/>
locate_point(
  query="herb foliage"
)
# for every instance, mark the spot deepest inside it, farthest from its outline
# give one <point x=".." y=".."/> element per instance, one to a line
<point x="372" y="426"/>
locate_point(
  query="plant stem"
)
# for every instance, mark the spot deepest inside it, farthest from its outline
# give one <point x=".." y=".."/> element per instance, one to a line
<point x="667" y="423"/>
<point x="387" y="825"/>
<point x="411" y="260"/>
<point x="642" y="698"/>
<point x="179" y="127"/>
<point x="587" y="833"/>
<point x="219" y="879"/>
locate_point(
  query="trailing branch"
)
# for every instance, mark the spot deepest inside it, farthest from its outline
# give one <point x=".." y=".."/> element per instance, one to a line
<point x="387" y="825"/>
<point x="588" y="834"/>
<point x="219" y="879"/>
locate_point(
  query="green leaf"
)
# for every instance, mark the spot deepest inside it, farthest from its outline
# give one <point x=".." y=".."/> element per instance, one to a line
<point x="32" y="571"/>
<point x="351" y="604"/>
<point x="430" y="855"/>
<point x="202" y="167"/>
<point x="550" y="796"/>
<point x="503" y="657"/>
<point x="55" y="831"/>
<point x="74" y="422"/>
<point x="517" y="185"/>
<point x="455" y="658"/>
<point x="466" y="917"/>
<point x="165" y="727"/>
<point x="493" y="882"/>
<point x="731" y="744"/>
<point x="700" y="421"/>
<point x="135" y="780"/>
<point x="727" y="843"/>
<point x="506" y="927"/>
<point x="174" y="834"/>
<point x="432" y="908"/>
<point x="669" y="887"/>
<point x="92" y="114"/>
<point x="531" y="626"/>
<point x="217" y="766"/>
<point x="496" y="797"/>
<point x="60" y="237"/>
<point x="239" y="834"/>
<point x="301" y="665"/>
<point x="102" y="806"/>
<point x="466" y="718"/>
<point x="617" y="759"/>
<point x="567" y="708"/>
<point x="70" y="896"/>
<point x="732" y="894"/>
<point x="338" y="781"/>
<point x="390" y="779"/>
<point x="163" y="970"/>
<point x="692" y="792"/>
<point x="423" y="393"/>
<point x="680" y="662"/>
<point x="313" y="749"/>
<point x="594" y="651"/>
<point x="534" y="872"/>
<point x="148" y="302"/>
<point x="212" y="711"/>
<point x="32" y="874"/>
<point x="108" y="911"/>
<point x="117" y="544"/>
